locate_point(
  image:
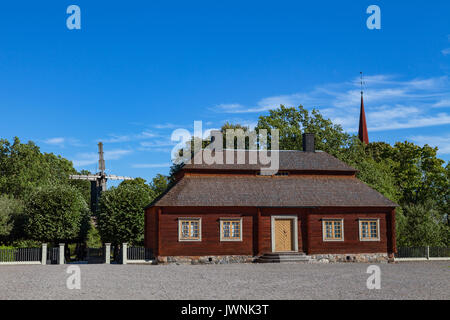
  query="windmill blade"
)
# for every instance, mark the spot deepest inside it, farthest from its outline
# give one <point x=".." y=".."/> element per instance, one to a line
<point x="114" y="177"/>
<point x="89" y="177"/>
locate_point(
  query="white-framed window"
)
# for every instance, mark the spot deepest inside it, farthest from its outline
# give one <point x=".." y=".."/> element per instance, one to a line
<point x="230" y="229"/>
<point x="369" y="229"/>
<point x="333" y="229"/>
<point x="189" y="229"/>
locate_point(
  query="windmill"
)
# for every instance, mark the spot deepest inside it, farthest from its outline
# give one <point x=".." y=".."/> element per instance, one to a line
<point x="98" y="181"/>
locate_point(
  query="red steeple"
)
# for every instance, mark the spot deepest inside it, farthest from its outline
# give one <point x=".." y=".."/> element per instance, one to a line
<point x="362" y="133"/>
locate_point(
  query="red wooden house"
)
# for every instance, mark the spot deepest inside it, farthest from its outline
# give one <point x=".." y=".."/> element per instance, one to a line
<point x="314" y="205"/>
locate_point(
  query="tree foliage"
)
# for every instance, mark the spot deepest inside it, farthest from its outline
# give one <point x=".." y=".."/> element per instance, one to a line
<point x="10" y="212"/>
<point x="292" y="122"/>
<point x="24" y="168"/>
<point x="121" y="212"/>
<point x="421" y="225"/>
<point x="24" y="172"/>
<point x="159" y="184"/>
<point x="55" y="213"/>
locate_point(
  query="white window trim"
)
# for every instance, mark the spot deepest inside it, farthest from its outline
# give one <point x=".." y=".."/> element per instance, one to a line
<point x="272" y="232"/>
<point x="360" y="229"/>
<point x="180" y="220"/>
<point x="324" y="230"/>
<point x="228" y="239"/>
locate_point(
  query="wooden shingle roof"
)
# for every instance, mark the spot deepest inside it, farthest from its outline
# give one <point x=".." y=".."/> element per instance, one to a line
<point x="272" y="191"/>
<point x="316" y="179"/>
<point x="289" y="160"/>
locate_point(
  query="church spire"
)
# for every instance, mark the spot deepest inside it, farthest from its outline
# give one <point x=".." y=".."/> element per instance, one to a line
<point x="362" y="132"/>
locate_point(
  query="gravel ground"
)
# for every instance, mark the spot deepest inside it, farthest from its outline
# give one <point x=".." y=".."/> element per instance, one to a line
<point x="414" y="280"/>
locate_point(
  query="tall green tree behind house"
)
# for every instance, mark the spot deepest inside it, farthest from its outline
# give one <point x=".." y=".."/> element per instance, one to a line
<point x="420" y="173"/>
<point x="159" y="184"/>
<point x="422" y="226"/>
<point x="292" y="122"/>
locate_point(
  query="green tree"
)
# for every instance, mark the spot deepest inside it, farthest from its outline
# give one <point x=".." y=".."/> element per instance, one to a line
<point x="245" y="130"/>
<point x="292" y="122"/>
<point x="12" y="219"/>
<point x="121" y="212"/>
<point x="159" y="184"/>
<point x="55" y="213"/>
<point x="93" y="239"/>
<point x="421" y="225"/>
<point x="84" y="186"/>
<point x="10" y="210"/>
<point x="420" y="173"/>
<point x="378" y="175"/>
<point x="24" y="168"/>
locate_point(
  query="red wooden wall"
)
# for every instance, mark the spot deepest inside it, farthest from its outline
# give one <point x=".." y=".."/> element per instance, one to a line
<point x="257" y="231"/>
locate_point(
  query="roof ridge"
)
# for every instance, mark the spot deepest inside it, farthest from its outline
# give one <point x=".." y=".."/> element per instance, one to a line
<point x="225" y="149"/>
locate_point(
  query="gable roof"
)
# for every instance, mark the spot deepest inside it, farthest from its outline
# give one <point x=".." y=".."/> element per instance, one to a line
<point x="289" y="160"/>
<point x="272" y="191"/>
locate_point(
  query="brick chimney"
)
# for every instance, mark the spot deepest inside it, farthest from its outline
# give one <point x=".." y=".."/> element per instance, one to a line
<point x="309" y="144"/>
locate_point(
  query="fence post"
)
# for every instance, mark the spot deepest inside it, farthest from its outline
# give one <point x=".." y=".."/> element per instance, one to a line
<point x="124" y="253"/>
<point x="428" y="252"/>
<point x="107" y="253"/>
<point x="61" y="253"/>
<point x="44" y="254"/>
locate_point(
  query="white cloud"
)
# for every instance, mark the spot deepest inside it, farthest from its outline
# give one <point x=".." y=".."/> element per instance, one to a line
<point x="236" y="108"/>
<point x="116" y="139"/>
<point x="414" y="122"/>
<point x="446" y="52"/>
<point x="62" y="142"/>
<point x="166" y="126"/>
<point x="444" y="103"/>
<point x="158" y="143"/>
<point x="442" y="142"/>
<point x="90" y="158"/>
<point x="390" y="103"/>
<point x="55" y="141"/>
<point x="130" y="137"/>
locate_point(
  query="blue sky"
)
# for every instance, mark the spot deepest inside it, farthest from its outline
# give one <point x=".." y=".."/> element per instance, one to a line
<point x="137" y="70"/>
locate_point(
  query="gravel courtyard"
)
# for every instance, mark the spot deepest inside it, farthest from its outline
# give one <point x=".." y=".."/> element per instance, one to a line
<point x="414" y="280"/>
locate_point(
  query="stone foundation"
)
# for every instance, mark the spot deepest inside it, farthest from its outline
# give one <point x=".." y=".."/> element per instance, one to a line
<point x="315" y="258"/>
<point x="204" y="259"/>
<point x="351" y="257"/>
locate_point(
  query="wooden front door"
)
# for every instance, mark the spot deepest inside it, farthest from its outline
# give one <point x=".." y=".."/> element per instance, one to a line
<point x="283" y="235"/>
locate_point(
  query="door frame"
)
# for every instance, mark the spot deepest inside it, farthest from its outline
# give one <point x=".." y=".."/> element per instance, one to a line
<point x="294" y="230"/>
